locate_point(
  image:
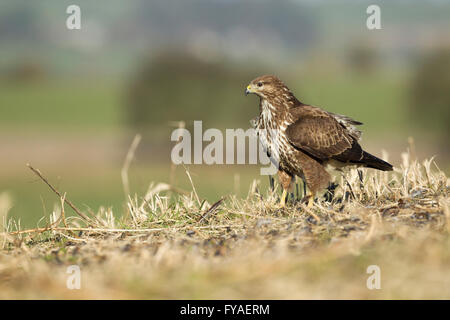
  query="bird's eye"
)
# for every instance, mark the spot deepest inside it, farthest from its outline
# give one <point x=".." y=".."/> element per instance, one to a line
<point x="260" y="84"/>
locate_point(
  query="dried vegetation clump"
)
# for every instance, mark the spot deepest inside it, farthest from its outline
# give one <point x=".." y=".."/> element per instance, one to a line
<point x="245" y="248"/>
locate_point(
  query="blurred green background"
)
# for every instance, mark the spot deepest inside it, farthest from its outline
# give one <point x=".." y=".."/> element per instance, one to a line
<point x="72" y="100"/>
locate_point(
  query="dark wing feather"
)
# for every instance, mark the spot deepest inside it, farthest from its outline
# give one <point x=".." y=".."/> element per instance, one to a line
<point x="319" y="134"/>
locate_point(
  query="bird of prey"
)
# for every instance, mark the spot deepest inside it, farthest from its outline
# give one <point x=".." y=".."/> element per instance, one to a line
<point x="304" y="140"/>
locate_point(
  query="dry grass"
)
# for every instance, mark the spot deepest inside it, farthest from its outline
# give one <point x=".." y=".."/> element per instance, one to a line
<point x="245" y="248"/>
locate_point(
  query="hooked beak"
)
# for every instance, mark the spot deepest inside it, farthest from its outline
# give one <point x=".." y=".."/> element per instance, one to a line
<point x="248" y="90"/>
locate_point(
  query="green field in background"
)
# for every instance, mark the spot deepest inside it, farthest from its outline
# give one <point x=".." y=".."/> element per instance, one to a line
<point x="67" y="104"/>
<point x="76" y="105"/>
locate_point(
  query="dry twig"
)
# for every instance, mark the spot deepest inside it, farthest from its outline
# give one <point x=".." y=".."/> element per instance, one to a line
<point x="77" y="211"/>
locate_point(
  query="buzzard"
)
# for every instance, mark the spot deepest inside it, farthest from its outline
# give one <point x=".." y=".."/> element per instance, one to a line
<point x="304" y="140"/>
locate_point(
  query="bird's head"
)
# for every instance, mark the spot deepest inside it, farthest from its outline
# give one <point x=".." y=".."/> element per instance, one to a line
<point x="265" y="86"/>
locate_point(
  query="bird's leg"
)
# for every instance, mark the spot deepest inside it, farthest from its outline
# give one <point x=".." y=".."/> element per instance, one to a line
<point x="311" y="195"/>
<point x="283" y="198"/>
<point x="309" y="198"/>
<point x="285" y="181"/>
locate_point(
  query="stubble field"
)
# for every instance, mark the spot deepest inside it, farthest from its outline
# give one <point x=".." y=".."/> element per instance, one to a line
<point x="171" y="244"/>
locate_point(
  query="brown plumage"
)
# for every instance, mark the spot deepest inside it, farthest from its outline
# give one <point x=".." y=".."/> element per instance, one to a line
<point x="303" y="139"/>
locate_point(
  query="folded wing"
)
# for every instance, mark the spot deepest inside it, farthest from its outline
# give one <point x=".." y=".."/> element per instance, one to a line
<point x="319" y="134"/>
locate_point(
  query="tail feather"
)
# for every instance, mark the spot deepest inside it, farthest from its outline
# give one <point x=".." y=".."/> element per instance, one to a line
<point x="371" y="161"/>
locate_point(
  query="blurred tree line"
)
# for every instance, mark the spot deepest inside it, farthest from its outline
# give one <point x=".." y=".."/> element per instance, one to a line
<point x="430" y="95"/>
<point x="176" y="85"/>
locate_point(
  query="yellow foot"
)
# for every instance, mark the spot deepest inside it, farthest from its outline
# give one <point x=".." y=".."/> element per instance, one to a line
<point x="311" y="197"/>
<point x="283" y="199"/>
